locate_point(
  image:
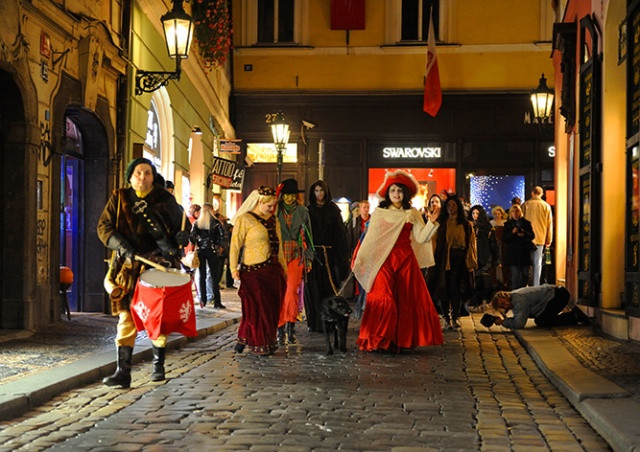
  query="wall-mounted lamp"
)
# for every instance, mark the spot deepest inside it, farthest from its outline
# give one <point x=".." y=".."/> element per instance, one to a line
<point x="280" y="132"/>
<point x="178" y="34"/>
<point x="197" y="130"/>
<point x="542" y="101"/>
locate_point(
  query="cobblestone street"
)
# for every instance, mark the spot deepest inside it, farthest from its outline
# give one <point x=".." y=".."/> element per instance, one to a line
<point x="480" y="391"/>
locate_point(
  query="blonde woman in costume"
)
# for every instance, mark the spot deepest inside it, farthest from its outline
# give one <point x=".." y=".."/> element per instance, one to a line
<point x="399" y="313"/>
<point x="261" y="272"/>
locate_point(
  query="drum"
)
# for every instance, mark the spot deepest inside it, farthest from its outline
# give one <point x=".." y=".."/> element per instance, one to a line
<point x="162" y="303"/>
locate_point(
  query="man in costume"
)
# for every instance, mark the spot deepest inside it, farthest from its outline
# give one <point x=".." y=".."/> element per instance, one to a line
<point x="142" y="220"/>
<point x="295" y="227"/>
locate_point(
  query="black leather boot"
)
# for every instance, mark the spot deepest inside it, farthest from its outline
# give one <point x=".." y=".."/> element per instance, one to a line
<point x="122" y="375"/>
<point x="291" y="333"/>
<point x="158" y="363"/>
<point x="281" y="335"/>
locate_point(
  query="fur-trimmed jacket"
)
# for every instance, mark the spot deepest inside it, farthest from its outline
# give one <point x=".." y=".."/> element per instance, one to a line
<point x="118" y="217"/>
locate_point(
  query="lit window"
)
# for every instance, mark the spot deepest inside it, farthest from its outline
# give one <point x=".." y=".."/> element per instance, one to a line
<point x="266" y="153"/>
<point x="152" y="144"/>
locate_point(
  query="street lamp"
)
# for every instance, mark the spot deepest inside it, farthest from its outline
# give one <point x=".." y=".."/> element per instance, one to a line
<point x="280" y="132"/>
<point x="542" y="101"/>
<point x="178" y="34"/>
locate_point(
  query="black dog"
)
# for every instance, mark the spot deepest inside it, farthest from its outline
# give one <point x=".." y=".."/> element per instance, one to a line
<point x="334" y="313"/>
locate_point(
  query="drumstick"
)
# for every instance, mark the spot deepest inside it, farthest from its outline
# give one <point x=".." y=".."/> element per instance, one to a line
<point x="153" y="264"/>
<point x="184" y="219"/>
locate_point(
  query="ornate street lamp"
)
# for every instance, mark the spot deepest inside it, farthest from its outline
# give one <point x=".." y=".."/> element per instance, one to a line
<point x="280" y="132"/>
<point x="542" y="101"/>
<point x="178" y="34"/>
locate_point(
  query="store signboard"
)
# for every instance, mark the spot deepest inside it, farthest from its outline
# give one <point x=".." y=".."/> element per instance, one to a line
<point x="413" y="154"/>
<point x="223" y="172"/>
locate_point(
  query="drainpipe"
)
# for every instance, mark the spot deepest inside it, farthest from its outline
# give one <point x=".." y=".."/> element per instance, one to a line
<point x="123" y="94"/>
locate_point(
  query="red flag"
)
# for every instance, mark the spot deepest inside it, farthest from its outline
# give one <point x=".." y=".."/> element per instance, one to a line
<point x="432" y="90"/>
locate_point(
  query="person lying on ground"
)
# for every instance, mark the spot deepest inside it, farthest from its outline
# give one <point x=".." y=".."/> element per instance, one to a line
<point x="545" y="304"/>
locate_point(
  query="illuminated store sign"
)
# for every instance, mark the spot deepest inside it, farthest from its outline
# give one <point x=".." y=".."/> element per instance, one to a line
<point x="412" y="152"/>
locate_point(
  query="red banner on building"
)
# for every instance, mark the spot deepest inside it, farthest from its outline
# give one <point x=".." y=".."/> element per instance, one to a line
<point x="347" y="14"/>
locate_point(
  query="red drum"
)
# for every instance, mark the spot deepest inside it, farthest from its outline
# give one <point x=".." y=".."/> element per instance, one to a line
<point x="163" y="303"/>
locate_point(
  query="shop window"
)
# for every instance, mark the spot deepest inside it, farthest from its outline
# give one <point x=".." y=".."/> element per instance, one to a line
<point x="266" y="153"/>
<point x="415" y="19"/>
<point x="275" y="22"/>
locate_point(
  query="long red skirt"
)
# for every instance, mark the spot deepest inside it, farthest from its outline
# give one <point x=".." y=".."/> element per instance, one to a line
<point x="261" y="293"/>
<point x="399" y="312"/>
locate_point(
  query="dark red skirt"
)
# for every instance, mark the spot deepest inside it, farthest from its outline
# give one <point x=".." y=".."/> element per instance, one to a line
<point x="261" y="293"/>
<point x="399" y="312"/>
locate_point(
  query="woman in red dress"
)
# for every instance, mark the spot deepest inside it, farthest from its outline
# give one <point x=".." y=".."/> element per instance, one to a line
<point x="399" y="312"/>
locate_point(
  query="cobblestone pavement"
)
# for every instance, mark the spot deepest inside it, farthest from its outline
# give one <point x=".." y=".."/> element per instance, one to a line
<point x="479" y="391"/>
<point x="68" y="341"/>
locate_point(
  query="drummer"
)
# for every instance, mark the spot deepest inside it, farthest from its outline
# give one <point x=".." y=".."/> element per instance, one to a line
<point x="143" y="220"/>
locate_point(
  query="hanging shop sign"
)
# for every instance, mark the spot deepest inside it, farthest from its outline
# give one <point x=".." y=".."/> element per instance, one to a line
<point x="222" y="172"/>
<point x="230" y="146"/>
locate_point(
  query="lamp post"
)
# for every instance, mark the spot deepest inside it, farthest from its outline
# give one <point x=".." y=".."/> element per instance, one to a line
<point x="178" y="34"/>
<point x="280" y="132"/>
<point x="542" y="101"/>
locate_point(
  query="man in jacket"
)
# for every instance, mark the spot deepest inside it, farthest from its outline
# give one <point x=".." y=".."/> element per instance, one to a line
<point x="538" y="212"/>
<point x="545" y="304"/>
<point x="143" y="220"/>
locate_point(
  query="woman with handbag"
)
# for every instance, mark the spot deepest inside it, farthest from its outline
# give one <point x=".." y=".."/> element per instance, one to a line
<point x="208" y="236"/>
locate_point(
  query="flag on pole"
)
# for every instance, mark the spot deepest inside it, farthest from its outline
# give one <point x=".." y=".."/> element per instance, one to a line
<point x="432" y="91"/>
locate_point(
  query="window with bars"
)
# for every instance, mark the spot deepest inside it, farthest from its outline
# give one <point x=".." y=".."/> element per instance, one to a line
<point x="415" y="19"/>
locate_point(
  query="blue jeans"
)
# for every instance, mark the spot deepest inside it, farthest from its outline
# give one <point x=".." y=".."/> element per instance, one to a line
<point x="537" y="256"/>
<point x="519" y="276"/>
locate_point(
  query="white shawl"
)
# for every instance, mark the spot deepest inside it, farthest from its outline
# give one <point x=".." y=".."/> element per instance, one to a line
<point x="383" y="232"/>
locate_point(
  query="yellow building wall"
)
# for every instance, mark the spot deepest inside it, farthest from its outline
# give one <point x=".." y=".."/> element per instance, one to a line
<point x="190" y="97"/>
<point x="496" y="48"/>
<point x="614" y="162"/>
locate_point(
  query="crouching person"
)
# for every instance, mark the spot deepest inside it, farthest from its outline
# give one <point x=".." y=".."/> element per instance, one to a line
<point x="545" y="304"/>
<point x="142" y="220"/>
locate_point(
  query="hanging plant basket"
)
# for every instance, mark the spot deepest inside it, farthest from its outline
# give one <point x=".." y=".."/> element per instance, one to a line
<point x="212" y="30"/>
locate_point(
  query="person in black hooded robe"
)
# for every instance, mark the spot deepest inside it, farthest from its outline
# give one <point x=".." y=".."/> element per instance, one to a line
<point x="328" y="231"/>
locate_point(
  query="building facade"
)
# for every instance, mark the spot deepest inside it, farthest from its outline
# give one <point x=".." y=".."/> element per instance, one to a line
<point x="597" y="91"/>
<point x="70" y="120"/>
<point x="350" y="84"/>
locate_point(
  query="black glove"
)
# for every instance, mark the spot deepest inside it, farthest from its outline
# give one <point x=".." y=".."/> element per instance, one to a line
<point x="182" y="238"/>
<point x="488" y="320"/>
<point x="122" y="246"/>
<point x="170" y="254"/>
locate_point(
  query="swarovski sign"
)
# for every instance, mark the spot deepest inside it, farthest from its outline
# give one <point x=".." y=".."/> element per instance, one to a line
<point x="412" y="152"/>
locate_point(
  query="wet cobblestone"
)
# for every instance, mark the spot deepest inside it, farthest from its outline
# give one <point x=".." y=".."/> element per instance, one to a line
<point x="479" y="391"/>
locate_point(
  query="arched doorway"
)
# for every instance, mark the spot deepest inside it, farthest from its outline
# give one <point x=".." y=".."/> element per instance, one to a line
<point x="13" y="203"/>
<point x="84" y="176"/>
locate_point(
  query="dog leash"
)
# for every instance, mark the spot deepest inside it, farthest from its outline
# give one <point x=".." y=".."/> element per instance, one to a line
<point x="344" y="284"/>
<point x="328" y="267"/>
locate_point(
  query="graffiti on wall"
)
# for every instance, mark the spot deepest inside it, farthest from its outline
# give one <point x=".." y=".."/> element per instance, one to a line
<point x="42" y="246"/>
